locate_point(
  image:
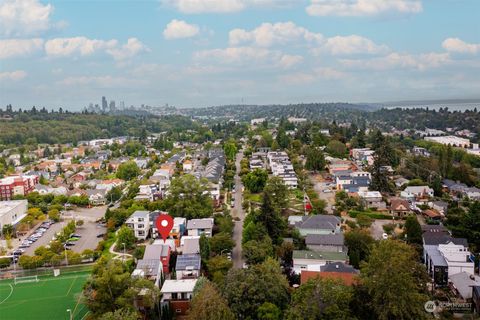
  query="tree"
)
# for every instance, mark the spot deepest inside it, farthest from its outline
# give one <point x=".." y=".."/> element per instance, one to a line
<point x="359" y="244"/>
<point x="5" y="262"/>
<point x="395" y="281"/>
<point x="336" y="148"/>
<point x="230" y="149"/>
<point x="7" y="230"/>
<point x="315" y="159"/>
<point x="379" y="176"/>
<point x="124" y="314"/>
<point x="256" y="252"/>
<point x="255" y="180"/>
<point x="79" y="223"/>
<point x="204" y="248"/>
<point x="413" y="230"/>
<point x="321" y="299"/>
<point x="114" y="194"/>
<point x="247" y="289"/>
<point x="218" y="267"/>
<point x="127" y="237"/>
<point x="282" y="139"/>
<point x="54" y="215"/>
<point x="221" y="242"/>
<point x="269" y="311"/>
<point x="277" y="192"/>
<point x="364" y="221"/>
<point x="128" y="170"/>
<point x="270" y="217"/>
<point x="188" y="198"/>
<point x="208" y="304"/>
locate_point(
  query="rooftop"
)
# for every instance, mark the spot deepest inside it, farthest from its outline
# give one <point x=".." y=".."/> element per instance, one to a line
<point x="188" y="262"/>
<point x="185" y="285"/>
<point x="320" y="255"/>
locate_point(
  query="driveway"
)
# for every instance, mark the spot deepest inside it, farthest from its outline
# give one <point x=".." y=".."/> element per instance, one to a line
<point x="240" y="213"/>
<point x="320" y="185"/>
<point x="376" y="229"/>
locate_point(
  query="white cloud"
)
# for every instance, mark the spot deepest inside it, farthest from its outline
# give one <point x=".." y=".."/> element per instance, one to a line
<point x="353" y="44"/>
<point x="128" y="50"/>
<point x="82" y="46"/>
<point x="288" y="61"/>
<point x="362" y="7"/>
<point x="268" y="34"/>
<point x="235" y="55"/>
<point x="178" y="29"/>
<point x="207" y="6"/>
<point x="23" y="17"/>
<point x="317" y="74"/>
<point x="19" y="47"/>
<point x="100" y="81"/>
<point x="400" y="61"/>
<point x="13" y="75"/>
<point x="460" y="46"/>
<point x="62" y="47"/>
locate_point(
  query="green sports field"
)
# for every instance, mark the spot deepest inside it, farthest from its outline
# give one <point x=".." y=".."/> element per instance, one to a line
<point x="48" y="299"/>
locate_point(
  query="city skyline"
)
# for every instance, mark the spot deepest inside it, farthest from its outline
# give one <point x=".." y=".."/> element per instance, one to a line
<point x="199" y="53"/>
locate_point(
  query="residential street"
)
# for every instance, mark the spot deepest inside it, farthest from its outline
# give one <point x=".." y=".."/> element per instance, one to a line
<point x="238" y="212"/>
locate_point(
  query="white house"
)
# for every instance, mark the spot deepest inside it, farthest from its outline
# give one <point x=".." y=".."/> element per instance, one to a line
<point x="197" y="227"/>
<point x="417" y="192"/>
<point x="313" y="260"/>
<point x="139" y="221"/>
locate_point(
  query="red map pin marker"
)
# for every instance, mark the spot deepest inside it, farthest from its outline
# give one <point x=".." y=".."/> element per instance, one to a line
<point x="164" y="224"/>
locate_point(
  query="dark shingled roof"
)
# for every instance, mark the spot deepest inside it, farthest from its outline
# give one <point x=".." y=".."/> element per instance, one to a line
<point x="321" y="221"/>
<point x="338" y="267"/>
<point x="324" y="239"/>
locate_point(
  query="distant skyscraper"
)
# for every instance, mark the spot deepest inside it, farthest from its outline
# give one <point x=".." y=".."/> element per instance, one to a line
<point x="104" y="104"/>
<point x="112" y="106"/>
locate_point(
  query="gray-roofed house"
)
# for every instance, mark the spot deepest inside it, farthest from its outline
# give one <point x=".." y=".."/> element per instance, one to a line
<point x="325" y="242"/>
<point x="188" y="266"/>
<point x="313" y="260"/>
<point x="463" y="283"/>
<point x="197" y="227"/>
<point x="191" y="245"/>
<point x="160" y="252"/>
<point x="150" y="269"/>
<point x="319" y="224"/>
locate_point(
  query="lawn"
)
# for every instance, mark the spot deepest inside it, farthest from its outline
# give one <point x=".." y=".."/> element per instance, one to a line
<point x="48" y="299"/>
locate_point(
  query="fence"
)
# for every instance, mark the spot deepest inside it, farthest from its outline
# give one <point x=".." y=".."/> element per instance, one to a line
<point x="45" y="271"/>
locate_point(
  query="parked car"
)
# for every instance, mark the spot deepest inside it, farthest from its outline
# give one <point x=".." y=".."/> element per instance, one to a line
<point x="100" y="235"/>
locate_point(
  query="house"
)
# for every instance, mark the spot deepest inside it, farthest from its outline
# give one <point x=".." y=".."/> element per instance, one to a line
<point x="336" y="270"/>
<point x="17" y="185"/>
<point x="418" y="151"/>
<point x="187" y="165"/>
<point x="432" y="214"/>
<point x="141" y="162"/>
<point x="416" y="193"/>
<point x="313" y="260"/>
<point x="197" y="227"/>
<point x="399" y="208"/>
<point x="444" y="255"/>
<point x="190" y="244"/>
<point x="325" y="242"/>
<point x="462" y="283"/>
<point x="280" y="165"/>
<point x="139" y="222"/>
<point x="159" y="252"/>
<point x="145" y="192"/>
<point x="372" y="199"/>
<point x="400" y="182"/>
<point x="363" y="155"/>
<point x="96" y="197"/>
<point x="319" y="224"/>
<point x="150" y="269"/>
<point x="110" y="184"/>
<point x="352" y="181"/>
<point x="177" y="295"/>
<point x="188" y="266"/>
<point x="440" y="206"/>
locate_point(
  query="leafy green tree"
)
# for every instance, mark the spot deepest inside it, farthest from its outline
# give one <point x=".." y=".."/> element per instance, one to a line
<point x="204" y="248"/>
<point x="7" y="230"/>
<point x="253" y="231"/>
<point x="336" y="148"/>
<point x="230" y="149"/>
<point x="359" y="243"/>
<point x="413" y="230"/>
<point x="315" y="159"/>
<point x="395" y="281"/>
<point x="5" y="262"/>
<point x="256" y="252"/>
<point x="208" y="304"/>
<point x="188" y="198"/>
<point x="282" y="138"/>
<point x="255" y="181"/>
<point x="321" y="299"/>
<point x="269" y="311"/>
<point x="221" y="242"/>
<point x="124" y="314"/>
<point x="125" y="236"/>
<point x="277" y="192"/>
<point x="270" y="217"/>
<point x="114" y="194"/>
<point x="364" y="221"/>
<point x="218" y="267"/>
<point x="54" y="215"/>
<point x="128" y="170"/>
<point x="247" y="289"/>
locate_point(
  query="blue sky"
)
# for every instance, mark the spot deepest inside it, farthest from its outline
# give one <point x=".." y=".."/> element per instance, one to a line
<point x="192" y="53"/>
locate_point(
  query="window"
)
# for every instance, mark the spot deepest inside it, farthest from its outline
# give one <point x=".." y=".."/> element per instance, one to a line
<point x="140" y="219"/>
<point x="140" y="226"/>
<point x="174" y="296"/>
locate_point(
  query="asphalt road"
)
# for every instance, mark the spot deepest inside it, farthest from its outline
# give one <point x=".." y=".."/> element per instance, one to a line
<point x="238" y="211"/>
